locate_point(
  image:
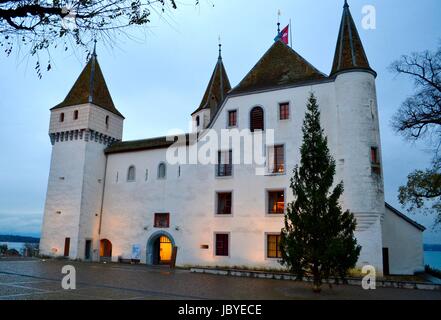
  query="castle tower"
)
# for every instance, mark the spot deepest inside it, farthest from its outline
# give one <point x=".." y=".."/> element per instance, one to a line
<point x="214" y="95"/>
<point x="81" y="127"/>
<point x="359" y="149"/>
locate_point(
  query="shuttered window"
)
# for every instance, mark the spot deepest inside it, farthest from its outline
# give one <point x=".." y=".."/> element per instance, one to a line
<point x="256" y="119"/>
<point x="222" y="244"/>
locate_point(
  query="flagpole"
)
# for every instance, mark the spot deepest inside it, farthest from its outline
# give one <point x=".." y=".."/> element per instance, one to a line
<point x="290" y="32"/>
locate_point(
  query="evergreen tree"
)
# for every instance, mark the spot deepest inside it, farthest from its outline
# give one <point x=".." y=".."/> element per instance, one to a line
<point x="318" y="237"/>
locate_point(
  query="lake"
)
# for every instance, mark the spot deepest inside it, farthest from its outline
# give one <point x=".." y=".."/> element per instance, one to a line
<point x="433" y="259"/>
<point x="14" y="245"/>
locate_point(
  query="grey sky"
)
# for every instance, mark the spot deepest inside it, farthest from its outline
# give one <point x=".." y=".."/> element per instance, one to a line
<point x="158" y="80"/>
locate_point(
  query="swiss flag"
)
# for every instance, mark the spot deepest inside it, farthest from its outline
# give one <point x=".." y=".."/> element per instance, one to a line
<point x="283" y="35"/>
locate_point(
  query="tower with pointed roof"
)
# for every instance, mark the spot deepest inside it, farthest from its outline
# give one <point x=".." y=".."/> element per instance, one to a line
<point x="215" y="93"/>
<point x="81" y="127"/>
<point x="358" y="136"/>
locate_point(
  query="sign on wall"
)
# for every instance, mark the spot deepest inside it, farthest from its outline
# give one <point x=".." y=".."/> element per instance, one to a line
<point x="136" y="252"/>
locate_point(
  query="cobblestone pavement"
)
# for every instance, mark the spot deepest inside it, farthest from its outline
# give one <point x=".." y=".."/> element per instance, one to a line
<point x="39" y="279"/>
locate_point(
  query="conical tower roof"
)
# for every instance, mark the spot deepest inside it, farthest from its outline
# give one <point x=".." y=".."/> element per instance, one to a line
<point x="349" y="52"/>
<point x="279" y="66"/>
<point x="217" y="88"/>
<point x="90" y="87"/>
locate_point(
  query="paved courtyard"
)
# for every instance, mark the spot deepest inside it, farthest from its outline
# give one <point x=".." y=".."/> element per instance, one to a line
<point x="37" y="279"/>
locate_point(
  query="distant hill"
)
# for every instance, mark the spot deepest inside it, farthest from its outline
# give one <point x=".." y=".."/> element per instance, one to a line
<point x="10" y="238"/>
<point x="432" y="247"/>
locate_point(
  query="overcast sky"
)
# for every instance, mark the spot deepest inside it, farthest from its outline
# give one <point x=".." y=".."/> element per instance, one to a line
<point x="158" y="80"/>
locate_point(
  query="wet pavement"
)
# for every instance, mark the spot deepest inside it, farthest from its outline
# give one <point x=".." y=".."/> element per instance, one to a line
<point x="41" y="280"/>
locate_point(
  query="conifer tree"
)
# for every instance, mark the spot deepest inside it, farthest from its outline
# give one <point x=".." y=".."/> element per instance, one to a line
<point x="318" y="237"/>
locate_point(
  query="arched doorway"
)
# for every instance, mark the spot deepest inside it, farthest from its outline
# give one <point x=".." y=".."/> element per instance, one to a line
<point x="159" y="248"/>
<point x="105" y="250"/>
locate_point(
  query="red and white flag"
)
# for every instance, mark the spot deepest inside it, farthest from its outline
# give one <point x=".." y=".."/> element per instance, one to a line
<point x="283" y="35"/>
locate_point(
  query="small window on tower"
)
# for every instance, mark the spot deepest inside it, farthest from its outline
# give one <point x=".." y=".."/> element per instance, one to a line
<point x="107" y="122"/>
<point x="375" y="161"/>
<point x="374" y="155"/>
<point x="197" y="121"/>
<point x="75" y="114"/>
<point x="62" y="117"/>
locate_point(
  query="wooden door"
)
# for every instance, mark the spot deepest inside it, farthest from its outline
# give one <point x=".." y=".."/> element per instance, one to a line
<point x="386" y="261"/>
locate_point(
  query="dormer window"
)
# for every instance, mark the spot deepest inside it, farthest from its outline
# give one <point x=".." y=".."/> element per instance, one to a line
<point x="284" y="111"/>
<point x="75" y="115"/>
<point x="62" y="117"/>
<point x="232" y="118"/>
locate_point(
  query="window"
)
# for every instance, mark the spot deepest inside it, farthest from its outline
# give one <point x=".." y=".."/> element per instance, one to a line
<point x="374" y="155"/>
<point x="224" y="202"/>
<point x="62" y="117"/>
<point x="162" y="220"/>
<point x="221" y="244"/>
<point x="256" y="119"/>
<point x="161" y="170"/>
<point x="375" y="161"/>
<point x="197" y="121"/>
<point x="276" y="159"/>
<point x="276" y="202"/>
<point x="76" y="115"/>
<point x="107" y="122"/>
<point x="284" y="111"/>
<point x="273" y="246"/>
<point x="146" y="174"/>
<point x="131" y="173"/>
<point x="224" y="164"/>
<point x="66" y="247"/>
<point x="232" y="118"/>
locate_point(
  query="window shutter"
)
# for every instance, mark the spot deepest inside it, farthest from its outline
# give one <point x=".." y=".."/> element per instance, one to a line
<point x="256" y="119"/>
<point x="270" y="159"/>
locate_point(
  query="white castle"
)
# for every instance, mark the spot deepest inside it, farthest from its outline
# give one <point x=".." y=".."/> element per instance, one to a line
<point x="116" y="200"/>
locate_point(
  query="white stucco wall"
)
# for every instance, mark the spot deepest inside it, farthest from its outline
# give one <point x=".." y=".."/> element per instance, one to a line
<point x="405" y="244"/>
<point x="350" y="120"/>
